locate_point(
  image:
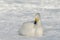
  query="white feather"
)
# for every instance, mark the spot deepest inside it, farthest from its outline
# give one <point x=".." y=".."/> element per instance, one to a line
<point x="30" y="29"/>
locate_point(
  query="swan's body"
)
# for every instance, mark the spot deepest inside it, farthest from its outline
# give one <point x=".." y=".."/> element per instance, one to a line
<point x="31" y="29"/>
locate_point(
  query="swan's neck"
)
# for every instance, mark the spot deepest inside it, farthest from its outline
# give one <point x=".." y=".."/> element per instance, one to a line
<point x="39" y="23"/>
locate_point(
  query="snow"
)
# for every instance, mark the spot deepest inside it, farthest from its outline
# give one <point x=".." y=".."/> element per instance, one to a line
<point x="13" y="13"/>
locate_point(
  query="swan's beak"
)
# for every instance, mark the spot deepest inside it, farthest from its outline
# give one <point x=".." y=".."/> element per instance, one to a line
<point x="36" y="20"/>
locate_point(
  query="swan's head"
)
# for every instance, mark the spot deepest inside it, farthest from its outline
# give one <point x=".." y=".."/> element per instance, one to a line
<point x="37" y="18"/>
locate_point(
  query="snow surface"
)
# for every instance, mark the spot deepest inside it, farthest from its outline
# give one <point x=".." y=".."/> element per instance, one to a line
<point x="13" y="13"/>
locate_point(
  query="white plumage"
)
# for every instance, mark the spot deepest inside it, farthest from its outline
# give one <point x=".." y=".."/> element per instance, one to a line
<point x="31" y="28"/>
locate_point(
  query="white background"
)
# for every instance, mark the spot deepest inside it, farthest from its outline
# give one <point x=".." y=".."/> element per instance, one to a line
<point x="13" y="13"/>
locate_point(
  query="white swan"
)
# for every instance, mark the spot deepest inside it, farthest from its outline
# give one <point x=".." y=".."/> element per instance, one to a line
<point x="32" y="28"/>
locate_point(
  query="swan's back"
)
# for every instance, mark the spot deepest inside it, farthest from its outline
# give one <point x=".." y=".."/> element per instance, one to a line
<point x="27" y="29"/>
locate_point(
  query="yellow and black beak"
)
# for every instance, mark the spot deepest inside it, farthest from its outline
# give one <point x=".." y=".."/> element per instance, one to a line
<point x="36" y="20"/>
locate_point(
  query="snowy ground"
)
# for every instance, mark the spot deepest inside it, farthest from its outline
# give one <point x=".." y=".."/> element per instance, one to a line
<point x="13" y="14"/>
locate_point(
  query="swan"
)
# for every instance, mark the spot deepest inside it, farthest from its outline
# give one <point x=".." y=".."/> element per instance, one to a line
<point x="32" y="28"/>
